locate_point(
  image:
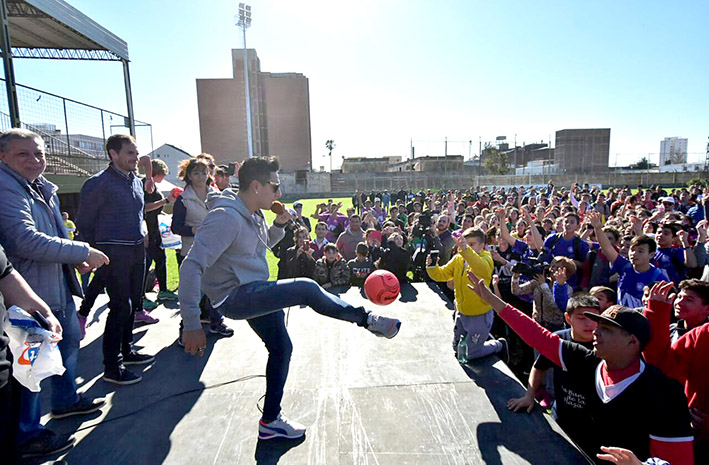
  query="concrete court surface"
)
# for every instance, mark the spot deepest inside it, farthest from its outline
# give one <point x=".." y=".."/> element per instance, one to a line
<point x="364" y="399"/>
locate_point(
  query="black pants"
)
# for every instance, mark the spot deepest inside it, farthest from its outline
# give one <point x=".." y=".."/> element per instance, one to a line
<point x="124" y="283"/>
<point x="92" y="292"/>
<point x="9" y="420"/>
<point x="157" y="254"/>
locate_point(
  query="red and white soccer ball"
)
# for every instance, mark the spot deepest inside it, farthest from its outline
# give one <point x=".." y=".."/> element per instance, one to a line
<point x="382" y="287"/>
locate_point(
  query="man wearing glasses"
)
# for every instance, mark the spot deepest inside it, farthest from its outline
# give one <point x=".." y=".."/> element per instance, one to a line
<point x="228" y="263"/>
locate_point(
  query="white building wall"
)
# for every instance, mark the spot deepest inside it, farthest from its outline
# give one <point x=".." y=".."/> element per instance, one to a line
<point x="670" y="146"/>
<point x="172" y="158"/>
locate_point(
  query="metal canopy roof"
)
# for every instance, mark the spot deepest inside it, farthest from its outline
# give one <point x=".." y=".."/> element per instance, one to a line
<point x="55" y="29"/>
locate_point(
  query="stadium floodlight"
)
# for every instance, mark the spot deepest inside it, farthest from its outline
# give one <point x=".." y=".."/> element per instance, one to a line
<point x="243" y="20"/>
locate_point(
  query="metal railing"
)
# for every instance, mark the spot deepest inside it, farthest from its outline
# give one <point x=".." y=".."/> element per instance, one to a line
<point x="74" y="133"/>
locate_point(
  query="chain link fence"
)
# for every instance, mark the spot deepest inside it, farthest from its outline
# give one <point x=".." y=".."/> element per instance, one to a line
<point x="74" y="133"/>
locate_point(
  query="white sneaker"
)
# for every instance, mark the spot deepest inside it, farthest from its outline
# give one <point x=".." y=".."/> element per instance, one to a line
<point x="281" y="427"/>
<point x="383" y="326"/>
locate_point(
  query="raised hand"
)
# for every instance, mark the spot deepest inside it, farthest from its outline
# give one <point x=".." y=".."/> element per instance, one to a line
<point x="683" y="238"/>
<point x="461" y="242"/>
<point x="594" y="218"/>
<point x="559" y="275"/>
<point x="702" y="230"/>
<point x="662" y="292"/>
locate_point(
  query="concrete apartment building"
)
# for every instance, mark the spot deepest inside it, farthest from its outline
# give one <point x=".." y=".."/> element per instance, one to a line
<point x="582" y="150"/>
<point x="280" y="115"/>
<point x="673" y="151"/>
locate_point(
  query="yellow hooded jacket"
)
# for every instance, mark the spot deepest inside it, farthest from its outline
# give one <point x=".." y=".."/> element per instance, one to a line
<point x="467" y="301"/>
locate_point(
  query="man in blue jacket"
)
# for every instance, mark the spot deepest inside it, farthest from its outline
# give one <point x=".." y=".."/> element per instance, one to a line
<point x="33" y="234"/>
<point x="111" y="219"/>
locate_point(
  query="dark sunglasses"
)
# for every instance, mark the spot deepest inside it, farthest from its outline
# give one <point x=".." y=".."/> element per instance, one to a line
<point x="275" y="186"/>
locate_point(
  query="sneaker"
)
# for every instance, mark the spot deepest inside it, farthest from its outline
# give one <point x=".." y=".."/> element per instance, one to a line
<point x="149" y="304"/>
<point x="222" y="330"/>
<point x="82" y="325"/>
<point x="504" y="352"/>
<point x="165" y="296"/>
<point x="47" y="442"/>
<point x="121" y="376"/>
<point x="205" y="319"/>
<point x="134" y="358"/>
<point x="281" y="427"/>
<point x="145" y="317"/>
<point x="383" y="326"/>
<point x="82" y="407"/>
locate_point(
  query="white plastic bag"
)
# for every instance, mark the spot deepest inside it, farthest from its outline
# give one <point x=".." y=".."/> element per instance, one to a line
<point x="34" y="350"/>
<point x="169" y="240"/>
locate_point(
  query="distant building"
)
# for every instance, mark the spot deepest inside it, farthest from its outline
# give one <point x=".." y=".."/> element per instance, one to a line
<point x="673" y="151"/>
<point x="172" y="156"/>
<point x="537" y="167"/>
<point x="582" y="150"/>
<point x="94" y="146"/>
<point x="450" y="164"/>
<point x="280" y="115"/>
<point x="368" y="164"/>
<point x="522" y="155"/>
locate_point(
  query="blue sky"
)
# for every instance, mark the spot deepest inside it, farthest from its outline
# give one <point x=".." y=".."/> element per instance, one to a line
<point x="384" y="72"/>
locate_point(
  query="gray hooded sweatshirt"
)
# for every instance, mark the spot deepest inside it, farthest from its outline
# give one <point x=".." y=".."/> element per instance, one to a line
<point x="229" y="251"/>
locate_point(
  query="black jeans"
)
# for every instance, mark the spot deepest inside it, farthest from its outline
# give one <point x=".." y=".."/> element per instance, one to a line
<point x="91" y="294"/>
<point x="9" y="420"/>
<point x="157" y="254"/>
<point x="124" y="283"/>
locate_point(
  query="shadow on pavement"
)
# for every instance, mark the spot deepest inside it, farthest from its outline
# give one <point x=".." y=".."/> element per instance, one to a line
<point x="270" y="452"/>
<point x="528" y="429"/>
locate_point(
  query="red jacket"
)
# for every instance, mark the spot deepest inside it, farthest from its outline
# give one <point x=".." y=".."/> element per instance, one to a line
<point x="687" y="360"/>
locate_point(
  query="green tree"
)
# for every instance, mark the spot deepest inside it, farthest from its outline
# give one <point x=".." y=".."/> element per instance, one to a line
<point x="643" y="164"/>
<point x="496" y="162"/>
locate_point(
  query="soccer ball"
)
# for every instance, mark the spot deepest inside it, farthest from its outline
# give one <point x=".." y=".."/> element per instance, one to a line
<point x="382" y="287"/>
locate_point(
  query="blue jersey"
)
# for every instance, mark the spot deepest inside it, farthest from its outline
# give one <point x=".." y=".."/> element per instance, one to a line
<point x="671" y="261"/>
<point x="576" y="249"/>
<point x="631" y="283"/>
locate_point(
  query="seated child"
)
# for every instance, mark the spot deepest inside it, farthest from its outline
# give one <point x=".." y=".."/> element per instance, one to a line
<point x="360" y="266"/>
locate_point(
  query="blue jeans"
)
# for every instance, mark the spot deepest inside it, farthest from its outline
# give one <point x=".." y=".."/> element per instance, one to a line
<point x="63" y="386"/>
<point x="261" y="303"/>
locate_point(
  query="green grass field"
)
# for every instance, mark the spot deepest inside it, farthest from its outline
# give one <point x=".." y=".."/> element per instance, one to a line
<point x="308" y="209"/>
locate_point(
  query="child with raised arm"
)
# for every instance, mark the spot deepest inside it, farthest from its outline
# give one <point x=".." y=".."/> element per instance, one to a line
<point x="636" y="271"/>
<point x="627" y="403"/>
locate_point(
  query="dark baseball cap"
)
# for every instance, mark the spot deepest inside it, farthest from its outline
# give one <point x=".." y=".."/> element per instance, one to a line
<point x="625" y="318"/>
<point x="297" y="204"/>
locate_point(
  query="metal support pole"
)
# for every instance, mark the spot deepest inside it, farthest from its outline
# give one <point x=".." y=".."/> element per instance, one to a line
<point x="103" y="128"/>
<point x="129" y="97"/>
<point x="66" y="126"/>
<point x="12" y="104"/>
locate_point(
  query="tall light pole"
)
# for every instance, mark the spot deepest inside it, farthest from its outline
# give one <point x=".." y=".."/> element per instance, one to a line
<point x="244" y="22"/>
